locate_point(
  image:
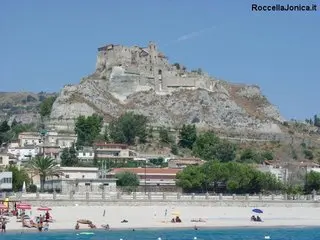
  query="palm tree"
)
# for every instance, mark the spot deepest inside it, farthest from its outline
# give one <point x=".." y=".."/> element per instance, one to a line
<point x="44" y="167"/>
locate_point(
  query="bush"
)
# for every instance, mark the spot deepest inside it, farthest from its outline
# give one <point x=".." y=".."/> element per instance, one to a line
<point x="32" y="188"/>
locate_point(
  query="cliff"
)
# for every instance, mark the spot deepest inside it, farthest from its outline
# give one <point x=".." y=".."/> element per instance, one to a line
<point x="142" y="80"/>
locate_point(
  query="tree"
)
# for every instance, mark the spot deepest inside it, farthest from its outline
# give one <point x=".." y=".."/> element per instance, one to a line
<point x="308" y="154"/>
<point x="128" y="180"/>
<point x="249" y="155"/>
<point x="46" y="106"/>
<point x="316" y="121"/>
<point x="69" y="157"/>
<point x="312" y="182"/>
<point x="164" y="136"/>
<point x="267" y="155"/>
<point x="18" y="177"/>
<point x="174" y="149"/>
<point x="187" y="136"/>
<point x="88" y="129"/>
<point x="5" y="135"/>
<point x="4" y="127"/>
<point x="44" y="167"/>
<point x="208" y="147"/>
<point x="191" y="178"/>
<point x="128" y="127"/>
<point x="236" y="177"/>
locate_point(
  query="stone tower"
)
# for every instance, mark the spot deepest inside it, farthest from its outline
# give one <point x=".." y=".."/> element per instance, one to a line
<point x="154" y="66"/>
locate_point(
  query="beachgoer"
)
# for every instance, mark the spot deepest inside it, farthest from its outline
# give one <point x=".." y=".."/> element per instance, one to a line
<point x="47" y="216"/>
<point x="3" y="226"/>
<point x="46" y="227"/>
<point x="77" y="226"/>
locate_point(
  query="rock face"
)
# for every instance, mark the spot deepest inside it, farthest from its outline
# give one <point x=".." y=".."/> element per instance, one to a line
<point x="21" y="106"/>
<point x="142" y="80"/>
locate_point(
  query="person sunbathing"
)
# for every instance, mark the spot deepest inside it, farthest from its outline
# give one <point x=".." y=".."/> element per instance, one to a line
<point x="77" y="226"/>
<point x="91" y="225"/>
<point x="198" y="220"/>
<point x="106" y="227"/>
<point x="27" y="224"/>
<point x="253" y="218"/>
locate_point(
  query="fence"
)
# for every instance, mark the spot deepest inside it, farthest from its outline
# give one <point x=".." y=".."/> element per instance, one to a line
<point x="156" y="196"/>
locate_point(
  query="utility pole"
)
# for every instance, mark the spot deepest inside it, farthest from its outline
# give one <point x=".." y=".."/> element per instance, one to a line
<point x="145" y="177"/>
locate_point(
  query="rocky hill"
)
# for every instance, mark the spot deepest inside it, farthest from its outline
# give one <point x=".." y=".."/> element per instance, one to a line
<point x="141" y="79"/>
<point x="22" y="106"/>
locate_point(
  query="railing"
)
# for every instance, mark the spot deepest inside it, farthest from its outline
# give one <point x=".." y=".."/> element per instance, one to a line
<point x="156" y="196"/>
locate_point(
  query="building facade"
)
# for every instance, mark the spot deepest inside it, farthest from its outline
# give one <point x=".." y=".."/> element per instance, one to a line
<point x="4" y="159"/>
<point x="79" y="179"/>
<point x="149" y="176"/>
<point x="5" y="181"/>
<point x="113" y="152"/>
<point x="184" y="162"/>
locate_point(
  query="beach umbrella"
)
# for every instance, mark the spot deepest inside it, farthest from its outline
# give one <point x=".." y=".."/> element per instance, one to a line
<point x="24" y="206"/>
<point x="44" y="209"/>
<point x="24" y="187"/>
<point x="6" y="202"/>
<point x="257" y="210"/>
<point x="2" y="206"/>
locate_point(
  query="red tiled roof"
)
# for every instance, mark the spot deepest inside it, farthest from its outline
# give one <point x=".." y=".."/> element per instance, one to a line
<point x="147" y="170"/>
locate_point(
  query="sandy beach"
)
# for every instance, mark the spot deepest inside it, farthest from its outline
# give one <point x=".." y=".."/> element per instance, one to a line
<point x="154" y="217"/>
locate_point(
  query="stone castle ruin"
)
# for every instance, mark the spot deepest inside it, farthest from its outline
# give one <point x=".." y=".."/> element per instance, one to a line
<point x="134" y="69"/>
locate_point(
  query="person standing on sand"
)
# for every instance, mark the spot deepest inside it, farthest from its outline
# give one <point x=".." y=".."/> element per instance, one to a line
<point x="3" y="226"/>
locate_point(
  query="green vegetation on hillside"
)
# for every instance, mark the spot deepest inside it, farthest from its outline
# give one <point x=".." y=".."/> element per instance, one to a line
<point x="46" y="106"/>
<point x="11" y="133"/>
<point x="88" y="129"/>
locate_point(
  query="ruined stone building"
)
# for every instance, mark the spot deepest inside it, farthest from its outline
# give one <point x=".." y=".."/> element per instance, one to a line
<point x="140" y="68"/>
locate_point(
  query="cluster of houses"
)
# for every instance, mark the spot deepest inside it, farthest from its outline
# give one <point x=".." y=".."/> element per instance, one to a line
<point x="93" y="179"/>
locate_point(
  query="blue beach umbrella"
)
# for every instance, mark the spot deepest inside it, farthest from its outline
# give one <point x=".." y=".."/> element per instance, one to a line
<point x="257" y="210"/>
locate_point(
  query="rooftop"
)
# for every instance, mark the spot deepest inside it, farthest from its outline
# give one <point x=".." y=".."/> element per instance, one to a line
<point x="167" y="171"/>
<point x="80" y="169"/>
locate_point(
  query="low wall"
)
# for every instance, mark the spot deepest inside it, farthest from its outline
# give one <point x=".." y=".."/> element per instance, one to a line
<point x="152" y="199"/>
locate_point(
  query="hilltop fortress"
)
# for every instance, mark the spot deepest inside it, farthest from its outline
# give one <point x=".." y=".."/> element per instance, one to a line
<point x="146" y="68"/>
<point x="142" y="80"/>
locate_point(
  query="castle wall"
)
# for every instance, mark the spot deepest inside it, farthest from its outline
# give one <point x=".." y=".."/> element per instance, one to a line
<point x="146" y="67"/>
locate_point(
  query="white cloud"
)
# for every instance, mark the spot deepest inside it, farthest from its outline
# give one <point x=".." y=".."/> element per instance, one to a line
<point x="193" y="34"/>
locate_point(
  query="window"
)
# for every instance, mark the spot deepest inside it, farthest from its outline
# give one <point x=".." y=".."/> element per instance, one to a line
<point x="1" y="160"/>
<point x="87" y="184"/>
<point x="83" y="176"/>
<point x="67" y="176"/>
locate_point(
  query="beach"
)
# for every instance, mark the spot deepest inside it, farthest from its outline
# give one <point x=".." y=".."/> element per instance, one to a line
<point x="139" y="217"/>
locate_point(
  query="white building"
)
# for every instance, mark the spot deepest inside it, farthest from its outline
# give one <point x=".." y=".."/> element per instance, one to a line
<point x="79" y="179"/>
<point x="4" y="159"/>
<point x="80" y="172"/>
<point x="24" y="153"/>
<point x="113" y="151"/>
<point x="29" y="138"/>
<point x="62" y="140"/>
<point x="86" y="154"/>
<point x="280" y="172"/>
<point x="5" y="181"/>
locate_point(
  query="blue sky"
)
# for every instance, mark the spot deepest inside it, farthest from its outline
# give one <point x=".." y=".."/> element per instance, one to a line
<point x="47" y="44"/>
